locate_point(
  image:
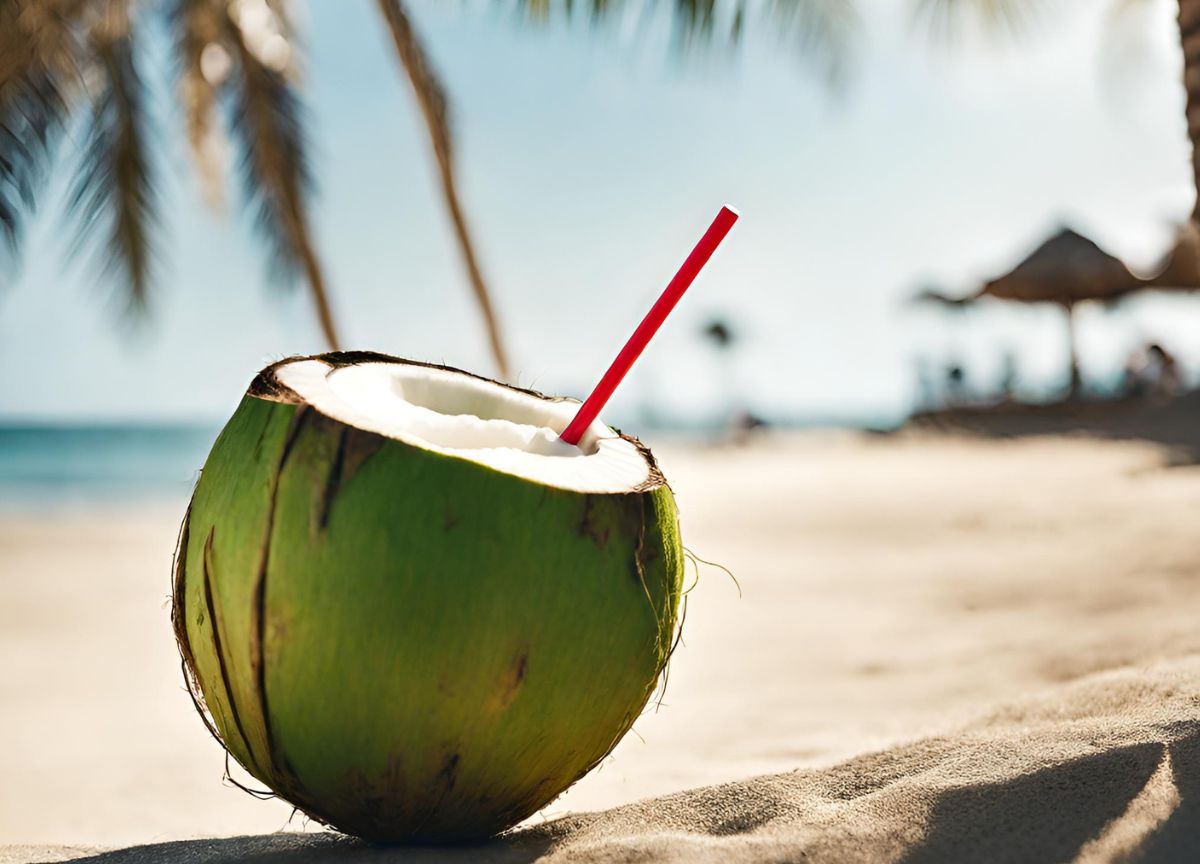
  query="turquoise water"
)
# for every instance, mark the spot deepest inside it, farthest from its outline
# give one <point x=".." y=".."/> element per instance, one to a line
<point x="62" y="464"/>
<point x="44" y="464"/>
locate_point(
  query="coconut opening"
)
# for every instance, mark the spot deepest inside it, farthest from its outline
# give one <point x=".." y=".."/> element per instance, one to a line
<point x="451" y="412"/>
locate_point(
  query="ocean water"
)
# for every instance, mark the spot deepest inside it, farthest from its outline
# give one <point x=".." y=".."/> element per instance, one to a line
<point x="50" y="465"/>
<point x="46" y="465"/>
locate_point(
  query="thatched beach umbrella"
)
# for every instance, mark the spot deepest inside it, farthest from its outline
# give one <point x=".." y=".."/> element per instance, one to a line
<point x="1066" y="269"/>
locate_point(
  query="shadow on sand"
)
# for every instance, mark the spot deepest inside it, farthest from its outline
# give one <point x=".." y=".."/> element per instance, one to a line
<point x="1052" y="814"/>
<point x="1178" y="838"/>
<point x="1046" y="815"/>
<point x="318" y="849"/>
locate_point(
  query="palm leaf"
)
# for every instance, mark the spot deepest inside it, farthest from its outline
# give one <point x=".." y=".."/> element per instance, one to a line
<point x="37" y="63"/>
<point x="114" y="192"/>
<point x="695" y="21"/>
<point x="268" y="122"/>
<point x="31" y="113"/>
<point x="821" y="31"/>
<point x="197" y="27"/>
<point x="947" y="20"/>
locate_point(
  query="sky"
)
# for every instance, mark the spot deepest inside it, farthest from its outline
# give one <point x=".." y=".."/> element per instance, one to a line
<point x="591" y="160"/>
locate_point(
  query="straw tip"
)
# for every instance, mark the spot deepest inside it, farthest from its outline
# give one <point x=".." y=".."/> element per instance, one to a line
<point x="731" y="210"/>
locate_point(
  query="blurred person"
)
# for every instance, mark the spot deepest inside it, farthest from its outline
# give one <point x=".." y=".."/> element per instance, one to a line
<point x="1008" y="377"/>
<point x="1151" y="371"/>
<point x="928" y="395"/>
<point x="1164" y="371"/>
<point x="956" y="385"/>
<point x="1131" y="374"/>
<point x="744" y="426"/>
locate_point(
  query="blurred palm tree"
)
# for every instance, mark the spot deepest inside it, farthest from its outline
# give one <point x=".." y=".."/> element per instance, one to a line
<point x="66" y="62"/>
<point x="82" y="61"/>
<point x="81" y="64"/>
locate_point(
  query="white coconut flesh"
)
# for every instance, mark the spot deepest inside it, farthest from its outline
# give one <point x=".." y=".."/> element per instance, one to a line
<point x="471" y="418"/>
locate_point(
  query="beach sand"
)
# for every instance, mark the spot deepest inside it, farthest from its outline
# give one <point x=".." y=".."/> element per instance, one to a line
<point x="945" y="649"/>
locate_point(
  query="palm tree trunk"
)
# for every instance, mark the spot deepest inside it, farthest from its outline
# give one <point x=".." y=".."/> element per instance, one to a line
<point x="1189" y="32"/>
<point x="315" y="276"/>
<point x="432" y="102"/>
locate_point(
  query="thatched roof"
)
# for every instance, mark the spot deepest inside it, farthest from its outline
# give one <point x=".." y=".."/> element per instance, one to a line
<point x="1067" y="268"/>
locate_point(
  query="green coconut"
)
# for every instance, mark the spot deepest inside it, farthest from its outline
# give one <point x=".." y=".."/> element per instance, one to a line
<point x="407" y="608"/>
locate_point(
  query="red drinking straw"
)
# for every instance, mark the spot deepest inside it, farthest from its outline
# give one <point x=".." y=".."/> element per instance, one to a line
<point x="658" y="313"/>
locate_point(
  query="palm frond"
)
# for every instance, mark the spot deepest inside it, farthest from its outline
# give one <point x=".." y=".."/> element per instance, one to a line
<point x="201" y="65"/>
<point x="948" y="20"/>
<point x="283" y="18"/>
<point x="37" y="79"/>
<point x="694" y="22"/>
<point x="268" y="125"/>
<point x="113" y="193"/>
<point x="32" y="109"/>
<point x="820" y="31"/>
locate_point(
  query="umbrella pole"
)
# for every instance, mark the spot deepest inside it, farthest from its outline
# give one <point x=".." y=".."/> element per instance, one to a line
<point x="1076" y="379"/>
